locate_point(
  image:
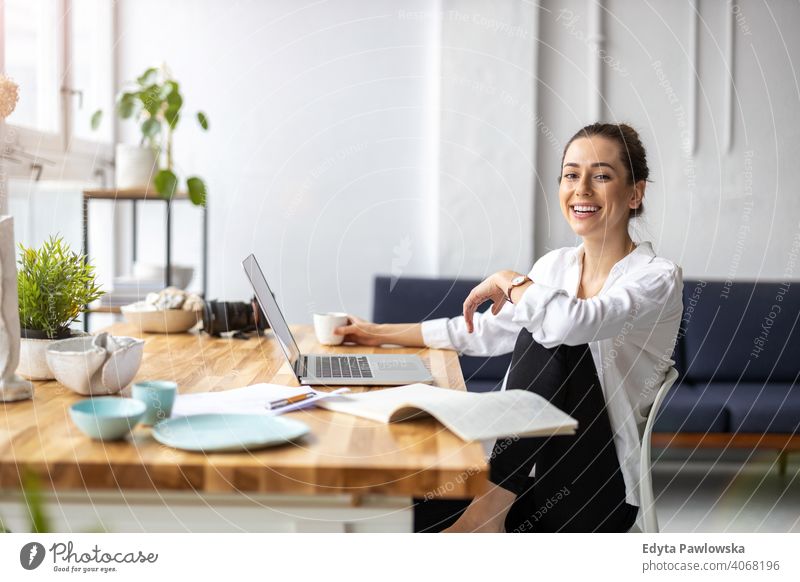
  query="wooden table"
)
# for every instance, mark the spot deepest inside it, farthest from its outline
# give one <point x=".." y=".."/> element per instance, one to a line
<point x="346" y="462"/>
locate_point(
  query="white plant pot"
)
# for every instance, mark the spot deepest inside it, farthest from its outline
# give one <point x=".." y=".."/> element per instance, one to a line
<point x="135" y="166"/>
<point x="33" y="358"/>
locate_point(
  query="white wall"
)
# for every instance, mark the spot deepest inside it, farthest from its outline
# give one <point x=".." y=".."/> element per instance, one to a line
<point x="488" y="131"/>
<point x="319" y="151"/>
<point x="722" y="212"/>
<point x="356" y="137"/>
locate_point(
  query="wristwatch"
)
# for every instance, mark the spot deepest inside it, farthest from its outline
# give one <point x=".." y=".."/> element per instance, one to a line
<point x="516" y="282"/>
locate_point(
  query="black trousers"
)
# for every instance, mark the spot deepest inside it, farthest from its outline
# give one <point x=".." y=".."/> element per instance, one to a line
<point x="578" y="484"/>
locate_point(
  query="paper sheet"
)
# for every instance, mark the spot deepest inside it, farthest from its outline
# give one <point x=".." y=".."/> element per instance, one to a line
<point x="248" y="400"/>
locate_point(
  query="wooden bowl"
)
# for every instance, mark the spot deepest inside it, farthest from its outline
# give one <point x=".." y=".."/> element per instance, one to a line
<point x="160" y="321"/>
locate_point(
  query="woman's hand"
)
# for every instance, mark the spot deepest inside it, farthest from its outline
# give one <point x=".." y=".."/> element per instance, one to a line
<point x="361" y="331"/>
<point x="493" y="289"/>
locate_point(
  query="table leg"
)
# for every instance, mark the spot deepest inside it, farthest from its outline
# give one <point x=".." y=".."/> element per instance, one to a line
<point x="85" y="252"/>
<point x="205" y="250"/>
<point x="133" y="230"/>
<point x="168" y="271"/>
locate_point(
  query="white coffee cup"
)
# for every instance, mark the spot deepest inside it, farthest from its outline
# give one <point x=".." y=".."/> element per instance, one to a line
<point x="325" y="323"/>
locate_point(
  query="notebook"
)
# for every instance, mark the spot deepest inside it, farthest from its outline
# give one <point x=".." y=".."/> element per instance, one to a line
<point x="469" y="415"/>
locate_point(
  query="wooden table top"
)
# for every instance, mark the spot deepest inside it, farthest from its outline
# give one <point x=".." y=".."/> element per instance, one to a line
<point x="343" y="453"/>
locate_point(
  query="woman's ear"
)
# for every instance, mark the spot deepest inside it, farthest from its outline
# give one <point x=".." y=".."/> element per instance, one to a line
<point x="638" y="194"/>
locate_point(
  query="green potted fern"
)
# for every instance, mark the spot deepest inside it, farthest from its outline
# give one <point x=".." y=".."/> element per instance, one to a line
<point x="54" y="286"/>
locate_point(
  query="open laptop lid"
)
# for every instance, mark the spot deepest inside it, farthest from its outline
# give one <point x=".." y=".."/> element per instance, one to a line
<point x="272" y="312"/>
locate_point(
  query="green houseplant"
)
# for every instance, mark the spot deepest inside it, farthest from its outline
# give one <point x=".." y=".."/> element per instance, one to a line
<point x="54" y="285"/>
<point x="155" y="102"/>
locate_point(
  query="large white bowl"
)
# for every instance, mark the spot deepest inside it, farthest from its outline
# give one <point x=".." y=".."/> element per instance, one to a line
<point x="160" y="321"/>
<point x="90" y="369"/>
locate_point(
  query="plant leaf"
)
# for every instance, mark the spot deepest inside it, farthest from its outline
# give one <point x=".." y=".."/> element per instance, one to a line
<point x="151" y="127"/>
<point x="197" y="190"/>
<point x="53" y="285"/>
<point x="126" y="105"/>
<point x="175" y="100"/>
<point x="148" y="77"/>
<point x="168" y="87"/>
<point x="151" y="99"/>
<point x="97" y="117"/>
<point x="166" y="184"/>
<point x="202" y="119"/>
<point x="171" y="116"/>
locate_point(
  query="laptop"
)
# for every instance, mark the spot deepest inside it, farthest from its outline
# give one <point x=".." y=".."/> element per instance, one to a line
<point x="333" y="369"/>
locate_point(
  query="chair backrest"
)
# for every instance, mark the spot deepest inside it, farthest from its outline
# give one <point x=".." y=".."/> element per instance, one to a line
<point x="647" y="520"/>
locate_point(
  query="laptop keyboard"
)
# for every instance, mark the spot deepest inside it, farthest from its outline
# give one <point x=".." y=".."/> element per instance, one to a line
<point x="343" y="367"/>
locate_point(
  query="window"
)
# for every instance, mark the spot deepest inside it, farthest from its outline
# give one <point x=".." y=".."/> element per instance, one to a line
<point x="60" y="53"/>
<point x="90" y="68"/>
<point x="31" y="60"/>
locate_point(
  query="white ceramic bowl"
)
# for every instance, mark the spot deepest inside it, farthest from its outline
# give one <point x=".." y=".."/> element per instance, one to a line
<point x="91" y="370"/>
<point x="160" y="321"/>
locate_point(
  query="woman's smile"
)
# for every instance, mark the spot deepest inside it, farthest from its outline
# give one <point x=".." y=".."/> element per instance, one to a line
<point x="584" y="211"/>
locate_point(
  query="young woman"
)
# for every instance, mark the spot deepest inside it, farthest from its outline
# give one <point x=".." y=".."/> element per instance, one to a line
<point x="592" y="328"/>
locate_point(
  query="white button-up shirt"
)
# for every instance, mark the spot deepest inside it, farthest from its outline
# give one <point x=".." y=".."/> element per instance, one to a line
<point x="631" y="327"/>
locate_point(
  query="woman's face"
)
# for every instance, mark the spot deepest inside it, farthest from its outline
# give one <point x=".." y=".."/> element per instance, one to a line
<point x="594" y="177"/>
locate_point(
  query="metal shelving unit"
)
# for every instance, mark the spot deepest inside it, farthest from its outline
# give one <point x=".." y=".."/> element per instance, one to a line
<point x="135" y="196"/>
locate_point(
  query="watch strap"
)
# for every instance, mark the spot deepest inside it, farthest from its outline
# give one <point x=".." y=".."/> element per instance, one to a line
<point x="516" y="282"/>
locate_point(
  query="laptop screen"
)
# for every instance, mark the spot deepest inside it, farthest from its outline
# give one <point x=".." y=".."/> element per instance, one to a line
<point x="271" y="310"/>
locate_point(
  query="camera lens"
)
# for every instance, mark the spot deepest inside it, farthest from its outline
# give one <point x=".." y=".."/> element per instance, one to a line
<point x="224" y="316"/>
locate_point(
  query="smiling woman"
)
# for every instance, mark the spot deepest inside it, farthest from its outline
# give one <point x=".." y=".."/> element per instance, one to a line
<point x="587" y="326"/>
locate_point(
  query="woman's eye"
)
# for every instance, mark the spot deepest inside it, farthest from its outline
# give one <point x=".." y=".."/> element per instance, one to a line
<point x="570" y="176"/>
<point x="603" y="177"/>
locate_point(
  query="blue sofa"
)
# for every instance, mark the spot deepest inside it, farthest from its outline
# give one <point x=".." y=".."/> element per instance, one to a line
<point x="738" y="354"/>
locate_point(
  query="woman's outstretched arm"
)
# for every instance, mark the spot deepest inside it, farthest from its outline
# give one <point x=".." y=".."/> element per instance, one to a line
<point x="367" y="333"/>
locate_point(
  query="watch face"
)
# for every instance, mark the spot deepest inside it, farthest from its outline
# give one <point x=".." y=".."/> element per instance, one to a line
<point x="518" y="280"/>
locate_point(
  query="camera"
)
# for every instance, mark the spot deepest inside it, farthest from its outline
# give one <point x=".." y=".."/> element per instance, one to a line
<point x="239" y="317"/>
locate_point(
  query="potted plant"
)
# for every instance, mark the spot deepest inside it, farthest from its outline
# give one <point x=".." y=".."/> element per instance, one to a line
<point x="54" y="286"/>
<point x="155" y="102"/>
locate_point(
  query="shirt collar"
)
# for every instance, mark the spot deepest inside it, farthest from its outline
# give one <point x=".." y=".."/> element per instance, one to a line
<point x="641" y="255"/>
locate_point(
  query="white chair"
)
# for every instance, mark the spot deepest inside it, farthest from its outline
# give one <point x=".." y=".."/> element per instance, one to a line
<point x="646" y="521"/>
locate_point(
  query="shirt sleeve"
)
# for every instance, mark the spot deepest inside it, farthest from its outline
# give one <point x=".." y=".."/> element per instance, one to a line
<point x="493" y="335"/>
<point x="555" y="317"/>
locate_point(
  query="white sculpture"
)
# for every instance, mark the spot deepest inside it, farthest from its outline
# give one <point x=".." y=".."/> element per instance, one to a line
<point x="12" y="387"/>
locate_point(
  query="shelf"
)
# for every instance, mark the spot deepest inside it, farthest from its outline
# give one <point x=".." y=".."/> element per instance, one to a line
<point x="134" y="195"/>
<point x="128" y="194"/>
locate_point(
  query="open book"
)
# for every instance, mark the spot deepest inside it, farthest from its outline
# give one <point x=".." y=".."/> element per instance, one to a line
<point x="470" y="416"/>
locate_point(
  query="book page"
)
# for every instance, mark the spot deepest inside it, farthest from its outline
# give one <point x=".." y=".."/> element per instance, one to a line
<point x="471" y="416"/>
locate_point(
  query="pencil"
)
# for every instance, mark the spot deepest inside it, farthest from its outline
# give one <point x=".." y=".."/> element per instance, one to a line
<point x="291" y="400"/>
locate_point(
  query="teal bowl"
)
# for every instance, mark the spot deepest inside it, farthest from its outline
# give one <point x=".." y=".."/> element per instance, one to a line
<point x="108" y="418"/>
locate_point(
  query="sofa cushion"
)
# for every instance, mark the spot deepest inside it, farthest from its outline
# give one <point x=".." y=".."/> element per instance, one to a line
<point x="773" y="407"/>
<point x="406" y="299"/>
<point x="741" y="331"/>
<point x="477" y="385"/>
<point x="688" y="408"/>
